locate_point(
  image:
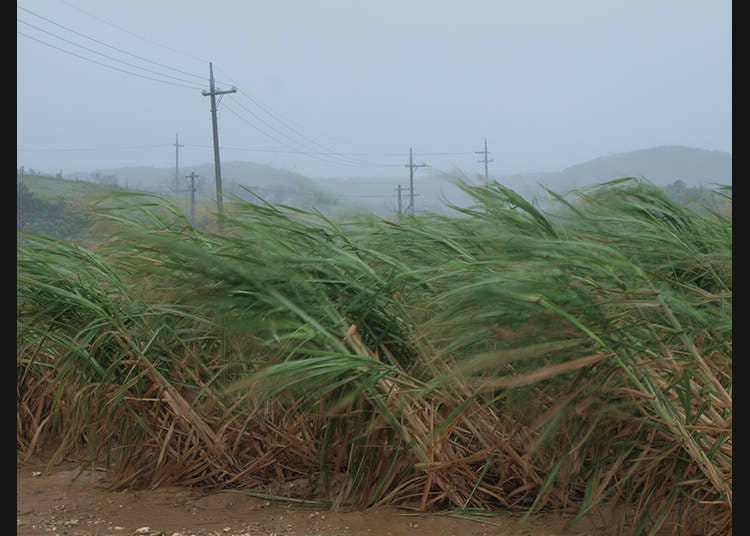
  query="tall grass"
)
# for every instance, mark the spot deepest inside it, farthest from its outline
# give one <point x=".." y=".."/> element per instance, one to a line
<point x="505" y="357"/>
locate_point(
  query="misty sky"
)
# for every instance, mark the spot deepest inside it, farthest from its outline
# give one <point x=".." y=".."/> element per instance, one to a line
<point x="548" y="83"/>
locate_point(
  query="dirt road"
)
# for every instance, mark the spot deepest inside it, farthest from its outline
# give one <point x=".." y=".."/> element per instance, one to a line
<point x="69" y="502"/>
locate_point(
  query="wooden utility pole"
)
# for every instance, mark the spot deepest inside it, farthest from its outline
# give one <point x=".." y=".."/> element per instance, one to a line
<point x="399" y="190"/>
<point x="217" y="162"/>
<point x="400" y="203"/>
<point x="177" y="164"/>
<point x="192" y="197"/>
<point x="411" y="165"/>
<point x="486" y="161"/>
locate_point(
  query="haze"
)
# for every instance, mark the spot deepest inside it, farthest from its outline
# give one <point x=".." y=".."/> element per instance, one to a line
<point x="547" y="83"/>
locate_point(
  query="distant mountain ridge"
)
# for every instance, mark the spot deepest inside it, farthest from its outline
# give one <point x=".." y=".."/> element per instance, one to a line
<point x="232" y="172"/>
<point x="660" y="165"/>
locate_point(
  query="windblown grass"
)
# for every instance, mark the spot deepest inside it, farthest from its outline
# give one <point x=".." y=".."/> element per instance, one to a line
<point x="503" y="358"/>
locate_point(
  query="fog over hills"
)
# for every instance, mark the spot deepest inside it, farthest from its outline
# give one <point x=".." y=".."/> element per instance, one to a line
<point x="163" y="179"/>
<point x="660" y="165"/>
<point x="433" y="187"/>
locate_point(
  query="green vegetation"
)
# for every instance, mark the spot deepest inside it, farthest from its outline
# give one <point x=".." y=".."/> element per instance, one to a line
<point x="56" y="189"/>
<point x="502" y="358"/>
<point x="59" y="207"/>
<point x="54" y="206"/>
<point x="698" y="198"/>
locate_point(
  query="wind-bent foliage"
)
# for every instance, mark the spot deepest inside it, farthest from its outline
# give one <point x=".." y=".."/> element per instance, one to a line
<point x="506" y="357"/>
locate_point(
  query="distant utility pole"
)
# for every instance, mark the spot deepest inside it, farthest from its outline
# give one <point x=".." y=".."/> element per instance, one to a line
<point x="411" y="165"/>
<point x="399" y="190"/>
<point x="217" y="162"/>
<point x="192" y="197"/>
<point x="177" y="163"/>
<point x="486" y="161"/>
<point x="400" y="204"/>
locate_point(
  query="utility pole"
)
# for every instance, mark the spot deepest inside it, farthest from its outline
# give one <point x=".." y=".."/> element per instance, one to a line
<point x="400" y="204"/>
<point x="217" y="163"/>
<point x="177" y="163"/>
<point x="411" y="165"/>
<point x="485" y="153"/>
<point x="192" y="197"/>
<point x="399" y="190"/>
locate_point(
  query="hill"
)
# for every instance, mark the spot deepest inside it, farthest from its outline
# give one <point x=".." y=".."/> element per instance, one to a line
<point x="663" y="166"/>
<point x="57" y="189"/>
<point x="158" y="179"/>
<point x="433" y="190"/>
<point x="53" y="205"/>
<point x="274" y="185"/>
<point x="659" y="165"/>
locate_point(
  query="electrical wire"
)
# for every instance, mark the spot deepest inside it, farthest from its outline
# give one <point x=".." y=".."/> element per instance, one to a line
<point x="113" y="25"/>
<point x="318" y="156"/>
<point x="104" y="64"/>
<point x="293" y="129"/>
<point x="102" y="54"/>
<point x="201" y="77"/>
<point x="277" y="140"/>
<point x="93" y="149"/>
<point x="327" y="155"/>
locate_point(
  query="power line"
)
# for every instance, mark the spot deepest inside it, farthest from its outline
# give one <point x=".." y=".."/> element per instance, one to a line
<point x="303" y="136"/>
<point x="329" y="154"/>
<point x="346" y="157"/>
<point x="257" y="150"/>
<point x="350" y="161"/>
<point x="104" y="64"/>
<point x="335" y="153"/>
<point x="102" y="54"/>
<point x="223" y="147"/>
<point x="321" y="157"/>
<point x="448" y="154"/>
<point x="308" y="153"/>
<point x="110" y="46"/>
<point x="293" y="129"/>
<point x="267" y="110"/>
<point x="486" y="161"/>
<point x="309" y="140"/>
<point x="400" y="154"/>
<point x="277" y="151"/>
<point x="380" y="196"/>
<point x="133" y="34"/>
<point x="92" y="149"/>
<point x="327" y="150"/>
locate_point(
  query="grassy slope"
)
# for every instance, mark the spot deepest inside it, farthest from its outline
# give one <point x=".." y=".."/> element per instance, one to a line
<point x="56" y="189"/>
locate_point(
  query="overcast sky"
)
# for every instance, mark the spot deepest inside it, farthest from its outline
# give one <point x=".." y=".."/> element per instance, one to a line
<point x="549" y="84"/>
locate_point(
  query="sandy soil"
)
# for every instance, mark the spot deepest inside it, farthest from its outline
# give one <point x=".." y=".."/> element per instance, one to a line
<point x="66" y="501"/>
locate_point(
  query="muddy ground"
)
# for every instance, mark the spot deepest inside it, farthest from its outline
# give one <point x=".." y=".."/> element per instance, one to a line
<point x="67" y="501"/>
